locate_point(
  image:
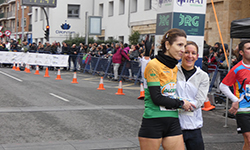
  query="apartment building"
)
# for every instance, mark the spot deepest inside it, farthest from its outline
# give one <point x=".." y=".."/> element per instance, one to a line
<point x="10" y="19"/>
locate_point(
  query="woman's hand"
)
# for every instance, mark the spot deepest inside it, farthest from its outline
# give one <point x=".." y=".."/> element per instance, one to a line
<point x="187" y="106"/>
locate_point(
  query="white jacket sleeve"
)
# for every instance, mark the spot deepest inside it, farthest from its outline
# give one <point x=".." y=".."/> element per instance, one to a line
<point x="225" y="90"/>
<point x="203" y="88"/>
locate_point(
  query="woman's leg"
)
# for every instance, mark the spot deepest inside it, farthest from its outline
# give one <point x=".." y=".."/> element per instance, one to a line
<point x="149" y="143"/>
<point x="116" y="67"/>
<point x="193" y="139"/>
<point x="173" y="143"/>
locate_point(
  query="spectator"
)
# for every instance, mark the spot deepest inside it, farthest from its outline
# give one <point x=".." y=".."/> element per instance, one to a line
<point x="117" y="60"/>
<point x="25" y="46"/>
<point x="48" y="47"/>
<point x="217" y="46"/>
<point x="53" y="48"/>
<point x="40" y="46"/>
<point x="126" y="48"/>
<point x="66" y="51"/>
<point x="81" y="48"/>
<point x="74" y="52"/>
<point x="134" y="53"/>
<point x="7" y="43"/>
<point x="89" y="48"/>
<point x="103" y="49"/>
<point x="233" y="60"/>
<point x="33" y="47"/>
<point x="152" y="52"/>
<point x="59" y="48"/>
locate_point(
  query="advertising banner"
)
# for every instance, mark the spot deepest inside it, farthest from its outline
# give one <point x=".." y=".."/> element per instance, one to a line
<point x="34" y="59"/>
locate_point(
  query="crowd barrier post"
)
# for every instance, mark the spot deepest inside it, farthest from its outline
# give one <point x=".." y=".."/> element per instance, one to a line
<point x="87" y="64"/>
<point x="109" y="64"/>
<point x="138" y="75"/>
<point x="213" y="79"/>
<point x="123" y="68"/>
<point x="97" y="63"/>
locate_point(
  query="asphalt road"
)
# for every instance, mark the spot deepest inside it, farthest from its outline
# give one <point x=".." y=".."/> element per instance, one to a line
<point x="44" y="113"/>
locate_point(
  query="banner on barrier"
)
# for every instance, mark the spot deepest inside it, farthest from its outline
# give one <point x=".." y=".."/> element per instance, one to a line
<point x="34" y="59"/>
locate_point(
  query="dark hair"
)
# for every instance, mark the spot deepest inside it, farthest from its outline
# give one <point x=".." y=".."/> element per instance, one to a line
<point x="125" y="45"/>
<point x="214" y="49"/>
<point x="171" y="36"/>
<point x="242" y="43"/>
<point x="194" y="44"/>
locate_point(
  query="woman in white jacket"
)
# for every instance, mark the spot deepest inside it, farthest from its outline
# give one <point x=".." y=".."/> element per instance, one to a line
<point x="193" y="85"/>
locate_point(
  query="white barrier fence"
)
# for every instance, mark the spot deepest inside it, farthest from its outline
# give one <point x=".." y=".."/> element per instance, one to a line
<point x="34" y="59"/>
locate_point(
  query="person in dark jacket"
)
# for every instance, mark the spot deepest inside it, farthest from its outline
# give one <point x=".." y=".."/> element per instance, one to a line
<point x="74" y="52"/>
<point x="65" y="51"/>
<point x="53" y="48"/>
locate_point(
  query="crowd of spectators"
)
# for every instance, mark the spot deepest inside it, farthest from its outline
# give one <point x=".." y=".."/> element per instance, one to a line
<point x="214" y="57"/>
<point x="75" y="52"/>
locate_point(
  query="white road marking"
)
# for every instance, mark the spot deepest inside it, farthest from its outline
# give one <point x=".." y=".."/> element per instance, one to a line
<point x="59" y="97"/>
<point x="11" y="76"/>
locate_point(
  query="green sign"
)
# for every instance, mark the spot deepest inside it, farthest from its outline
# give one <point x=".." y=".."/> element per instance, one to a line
<point x="164" y="23"/>
<point x="192" y="24"/>
<point x="39" y="3"/>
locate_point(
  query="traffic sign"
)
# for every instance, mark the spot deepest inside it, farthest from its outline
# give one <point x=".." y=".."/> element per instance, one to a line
<point x="1" y="27"/>
<point x="40" y="3"/>
<point x="1" y="34"/>
<point x="7" y="33"/>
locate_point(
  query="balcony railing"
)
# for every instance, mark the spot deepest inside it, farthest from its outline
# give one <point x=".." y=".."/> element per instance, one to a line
<point x="3" y="1"/>
<point x="11" y="14"/>
<point x="10" y="1"/>
<point x="2" y="15"/>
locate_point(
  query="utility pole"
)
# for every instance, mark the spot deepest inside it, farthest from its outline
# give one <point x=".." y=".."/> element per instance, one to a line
<point x="22" y="23"/>
<point x="86" y="29"/>
<point x="16" y="20"/>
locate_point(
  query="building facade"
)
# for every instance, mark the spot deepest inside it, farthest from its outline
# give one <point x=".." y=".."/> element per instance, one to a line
<point x="65" y="21"/>
<point x="122" y="17"/>
<point x="227" y="11"/>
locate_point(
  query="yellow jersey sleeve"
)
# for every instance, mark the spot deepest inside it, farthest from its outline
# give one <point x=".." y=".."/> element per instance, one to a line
<point x="151" y="73"/>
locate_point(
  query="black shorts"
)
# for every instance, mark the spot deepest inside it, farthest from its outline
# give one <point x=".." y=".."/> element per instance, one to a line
<point x="243" y="123"/>
<point x="160" y="127"/>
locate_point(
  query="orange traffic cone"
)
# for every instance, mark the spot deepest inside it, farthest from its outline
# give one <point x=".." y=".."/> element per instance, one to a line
<point x="27" y="68"/>
<point x="142" y="93"/>
<point x="14" y="66"/>
<point x="74" y="78"/>
<point x="46" y="73"/>
<point x="120" y="90"/>
<point x="17" y="68"/>
<point x="37" y="71"/>
<point x="208" y="106"/>
<point x="101" y="85"/>
<point x="58" y="75"/>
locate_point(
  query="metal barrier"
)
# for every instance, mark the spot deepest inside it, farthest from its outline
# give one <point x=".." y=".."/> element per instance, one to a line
<point x="129" y="71"/>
